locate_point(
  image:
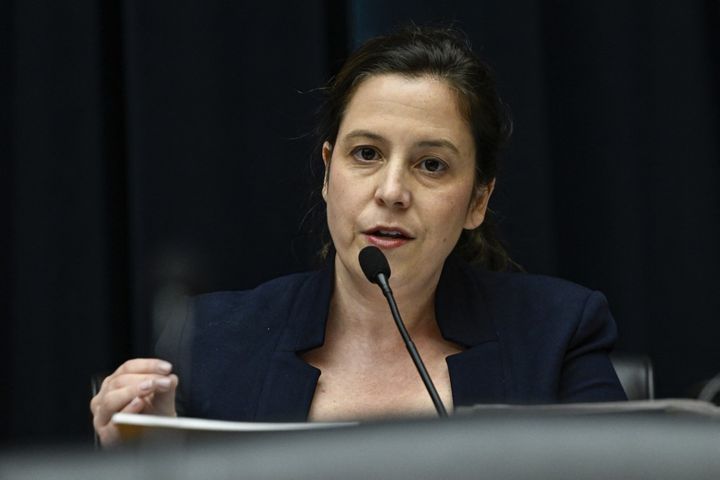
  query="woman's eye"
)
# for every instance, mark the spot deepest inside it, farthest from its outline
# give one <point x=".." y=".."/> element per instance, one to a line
<point x="366" y="153"/>
<point x="433" y="165"/>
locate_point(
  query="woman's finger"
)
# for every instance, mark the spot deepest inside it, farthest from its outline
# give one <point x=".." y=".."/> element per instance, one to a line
<point x="116" y="400"/>
<point x="124" y="380"/>
<point x="135" y="406"/>
<point x="144" y="365"/>
<point x="109" y="402"/>
<point x="164" y="399"/>
<point x="138" y="385"/>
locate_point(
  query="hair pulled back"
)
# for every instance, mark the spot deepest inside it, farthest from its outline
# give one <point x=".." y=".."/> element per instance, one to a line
<point x="443" y="53"/>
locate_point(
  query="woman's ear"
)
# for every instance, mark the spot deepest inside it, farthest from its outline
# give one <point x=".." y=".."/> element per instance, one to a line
<point x="478" y="206"/>
<point x="326" y="155"/>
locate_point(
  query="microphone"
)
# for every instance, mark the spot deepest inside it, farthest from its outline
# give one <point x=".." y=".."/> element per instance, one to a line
<point x="374" y="265"/>
<point x="377" y="270"/>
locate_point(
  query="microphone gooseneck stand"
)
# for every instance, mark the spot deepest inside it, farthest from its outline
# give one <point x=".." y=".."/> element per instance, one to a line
<point x="377" y="270"/>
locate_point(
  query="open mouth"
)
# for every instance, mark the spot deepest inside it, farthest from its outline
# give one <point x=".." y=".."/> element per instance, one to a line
<point x="389" y="233"/>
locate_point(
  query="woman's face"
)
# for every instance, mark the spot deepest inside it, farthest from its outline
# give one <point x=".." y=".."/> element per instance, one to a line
<point x="401" y="176"/>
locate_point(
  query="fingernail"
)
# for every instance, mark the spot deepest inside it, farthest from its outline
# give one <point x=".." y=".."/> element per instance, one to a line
<point x="164" y="367"/>
<point x="146" y="385"/>
<point x="136" y="402"/>
<point x="163" y="382"/>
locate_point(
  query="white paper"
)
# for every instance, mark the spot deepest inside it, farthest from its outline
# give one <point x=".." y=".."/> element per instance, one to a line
<point x="188" y="423"/>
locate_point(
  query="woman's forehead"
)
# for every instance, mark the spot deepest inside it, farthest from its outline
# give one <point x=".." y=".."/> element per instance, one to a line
<point x="409" y="107"/>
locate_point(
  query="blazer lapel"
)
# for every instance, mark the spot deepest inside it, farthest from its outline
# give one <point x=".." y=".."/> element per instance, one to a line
<point x="476" y="374"/>
<point x="288" y="389"/>
<point x="290" y="382"/>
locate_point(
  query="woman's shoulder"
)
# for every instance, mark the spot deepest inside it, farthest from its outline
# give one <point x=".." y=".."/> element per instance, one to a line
<point x="276" y="293"/>
<point x="246" y="313"/>
<point x="223" y="320"/>
<point x="522" y="305"/>
<point x="523" y="287"/>
<point x="545" y="306"/>
<point x="279" y="286"/>
<point x="555" y="335"/>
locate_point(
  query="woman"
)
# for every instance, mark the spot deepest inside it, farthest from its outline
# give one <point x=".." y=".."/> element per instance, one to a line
<point x="411" y="131"/>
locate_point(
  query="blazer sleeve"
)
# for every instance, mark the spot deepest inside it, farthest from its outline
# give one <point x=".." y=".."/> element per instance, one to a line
<point x="587" y="373"/>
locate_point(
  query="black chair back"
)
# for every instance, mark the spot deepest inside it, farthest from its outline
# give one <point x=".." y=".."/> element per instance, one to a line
<point x="636" y="375"/>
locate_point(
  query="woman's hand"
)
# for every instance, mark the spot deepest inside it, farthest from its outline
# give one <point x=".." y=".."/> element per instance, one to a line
<point x="141" y="385"/>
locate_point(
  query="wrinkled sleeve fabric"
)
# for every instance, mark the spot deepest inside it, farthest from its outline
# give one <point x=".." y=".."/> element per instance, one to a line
<point x="587" y="373"/>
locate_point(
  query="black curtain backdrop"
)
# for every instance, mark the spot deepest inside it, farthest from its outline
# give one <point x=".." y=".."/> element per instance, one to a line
<point x="155" y="149"/>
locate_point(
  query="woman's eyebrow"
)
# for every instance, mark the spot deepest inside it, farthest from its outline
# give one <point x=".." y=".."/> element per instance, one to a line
<point x="365" y="134"/>
<point x="440" y="142"/>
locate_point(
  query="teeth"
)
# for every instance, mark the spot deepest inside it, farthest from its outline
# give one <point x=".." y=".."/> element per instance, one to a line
<point x="386" y="233"/>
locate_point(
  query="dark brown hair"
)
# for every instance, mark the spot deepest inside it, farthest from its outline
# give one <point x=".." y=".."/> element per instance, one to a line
<point x="443" y="53"/>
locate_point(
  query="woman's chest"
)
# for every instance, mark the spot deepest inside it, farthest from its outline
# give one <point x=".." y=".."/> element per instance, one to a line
<point x="388" y="387"/>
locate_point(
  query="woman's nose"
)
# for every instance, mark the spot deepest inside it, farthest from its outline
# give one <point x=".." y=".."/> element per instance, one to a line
<point x="393" y="190"/>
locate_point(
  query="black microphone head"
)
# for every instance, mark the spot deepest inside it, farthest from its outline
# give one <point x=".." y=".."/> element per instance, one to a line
<point x="373" y="263"/>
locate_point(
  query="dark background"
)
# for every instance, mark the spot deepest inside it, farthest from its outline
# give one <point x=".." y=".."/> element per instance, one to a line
<point x="152" y="149"/>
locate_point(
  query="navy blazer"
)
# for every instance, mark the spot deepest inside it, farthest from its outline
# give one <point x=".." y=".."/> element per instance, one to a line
<point x="528" y="339"/>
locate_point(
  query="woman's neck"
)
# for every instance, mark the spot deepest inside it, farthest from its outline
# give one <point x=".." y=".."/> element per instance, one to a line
<point x="358" y="308"/>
